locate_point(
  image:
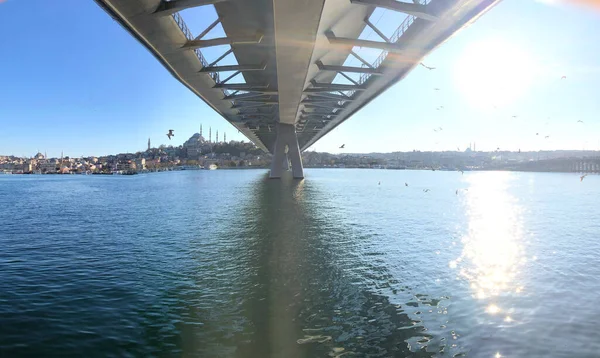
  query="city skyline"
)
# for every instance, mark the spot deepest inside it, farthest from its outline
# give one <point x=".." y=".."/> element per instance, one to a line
<point x="487" y="74"/>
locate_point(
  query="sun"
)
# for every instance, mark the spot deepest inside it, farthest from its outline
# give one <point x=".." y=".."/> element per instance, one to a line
<point x="494" y="73"/>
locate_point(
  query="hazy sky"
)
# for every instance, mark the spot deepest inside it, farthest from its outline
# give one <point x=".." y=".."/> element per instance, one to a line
<point x="72" y="79"/>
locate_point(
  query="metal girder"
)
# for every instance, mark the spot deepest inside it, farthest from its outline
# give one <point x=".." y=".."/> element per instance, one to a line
<point x="173" y="6"/>
<point x="326" y="94"/>
<point x="377" y="31"/>
<point x="330" y="105"/>
<point x="413" y="9"/>
<point x="361" y="59"/>
<point x="266" y="101"/>
<point x="322" y="101"/>
<point x="220" y="58"/>
<point x="349" y="78"/>
<point x="241" y="87"/>
<point x="250" y="105"/>
<point x="230" y="77"/>
<point x="238" y="40"/>
<point x="323" y="67"/>
<point x="393" y="47"/>
<point x="242" y="96"/>
<point x="334" y="86"/>
<point x="234" y="68"/>
<point x="317" y="114"/>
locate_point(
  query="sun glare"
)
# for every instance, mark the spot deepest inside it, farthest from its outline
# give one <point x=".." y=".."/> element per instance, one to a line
<point x="494" y="73"/>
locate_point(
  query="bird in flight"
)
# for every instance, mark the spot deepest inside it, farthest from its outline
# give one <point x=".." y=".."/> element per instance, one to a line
<point x="456" y="191"/>
<point x="427" y="67"/>
<point x="514" y="116"/>
<point x="580" y="121"/>
<point x="379" y="183"/>
<point x="405" y="184"/>
<point x="170" y="134"/>
<point x="546" y="137"/>
<point x="582" y="177"/>
<point x="425" y="190"/>
<point x="537" y="134"/>
<point x="342" y="146"/>
<point x="563" y="78"/>
<point x="436" y="89"/>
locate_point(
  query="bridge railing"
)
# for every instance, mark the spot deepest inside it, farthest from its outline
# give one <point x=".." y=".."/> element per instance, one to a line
<point x="188" y="35"/>
<point x="393" y="39"/>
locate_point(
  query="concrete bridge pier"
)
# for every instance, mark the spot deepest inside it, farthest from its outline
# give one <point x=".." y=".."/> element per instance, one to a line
<point x="286" y="163"/>
<point x="286" y="145"/>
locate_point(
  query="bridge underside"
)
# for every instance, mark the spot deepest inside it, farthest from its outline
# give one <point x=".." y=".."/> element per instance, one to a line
<point x="292" y="58"/>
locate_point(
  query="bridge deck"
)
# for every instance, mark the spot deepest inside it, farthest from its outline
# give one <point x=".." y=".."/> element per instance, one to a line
<point x="289" y="52"/>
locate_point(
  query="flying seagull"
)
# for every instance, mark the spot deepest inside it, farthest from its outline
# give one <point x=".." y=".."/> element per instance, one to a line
<point x="514" y="116"/>
<point x="436" y="89"/>
<point x="170" y="134"/>
<point x="582" y="177"/>
<point x="427" y="67"/>
<point x="342" y="146"/>
<point x="563" y="78"/>
<point x="405" y="184"/>
<point x="425" y="190"/>
<point x="580" y="121"/>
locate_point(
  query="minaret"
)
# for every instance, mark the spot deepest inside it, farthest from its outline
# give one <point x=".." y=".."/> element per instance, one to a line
<point x="209" y="134"/>
<point x="225" y="137"/>
<point x="148" y="143"/>
<point x="217" y="137"/>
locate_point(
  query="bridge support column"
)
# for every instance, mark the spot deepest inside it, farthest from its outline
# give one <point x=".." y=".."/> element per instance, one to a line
<point x="286" y="144"/>
<point x="286" y="163"/>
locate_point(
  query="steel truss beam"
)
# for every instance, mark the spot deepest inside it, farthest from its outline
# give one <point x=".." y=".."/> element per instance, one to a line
<point x="173" y="6"/>
<point x="323" y="67"/>
<point x="334" y="86"/>
<point x="345" y="41"/>
<point x="234" y="68"/>
<point x="238" y="40"/>
<point x="413" y="9"/>
<point x="241" y="87"/>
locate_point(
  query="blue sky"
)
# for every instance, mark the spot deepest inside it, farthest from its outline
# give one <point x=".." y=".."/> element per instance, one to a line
<point x="73" y="80"/>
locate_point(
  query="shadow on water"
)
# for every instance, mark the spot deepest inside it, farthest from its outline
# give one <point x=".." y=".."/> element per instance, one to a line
<point x="303" y="302"/>
<point x="267" y="271"/>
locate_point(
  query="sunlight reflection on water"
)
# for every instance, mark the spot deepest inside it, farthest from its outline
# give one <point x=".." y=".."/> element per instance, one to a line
<point x="493" y="250"/>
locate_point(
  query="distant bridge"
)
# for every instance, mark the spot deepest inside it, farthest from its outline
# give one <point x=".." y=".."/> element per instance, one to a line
<point x="286" y="90"/>
<point x="567" y="165"/>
